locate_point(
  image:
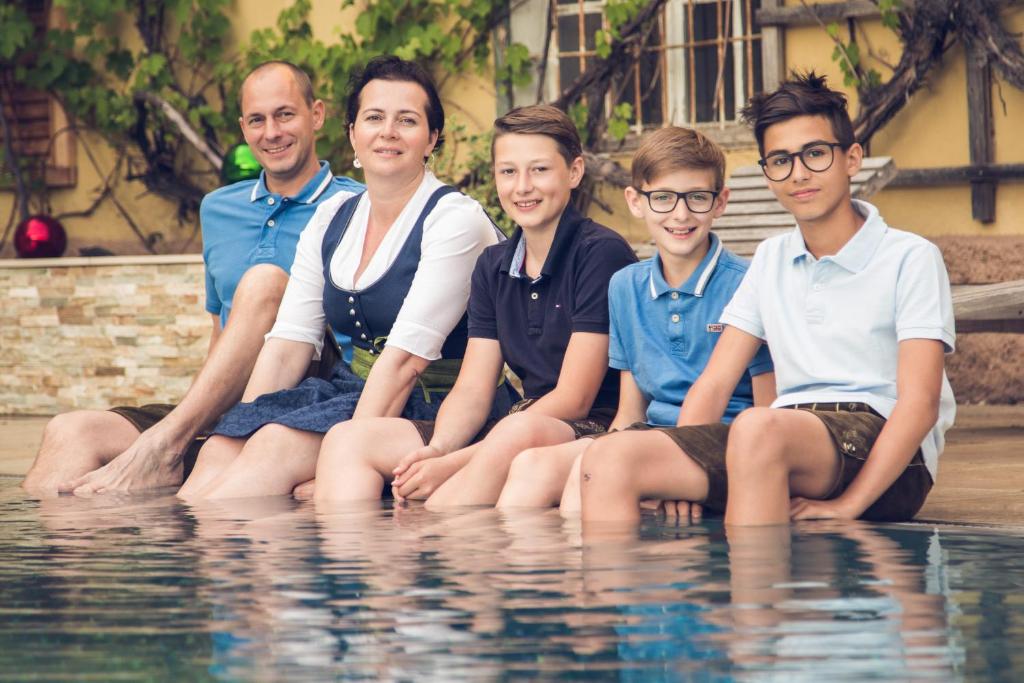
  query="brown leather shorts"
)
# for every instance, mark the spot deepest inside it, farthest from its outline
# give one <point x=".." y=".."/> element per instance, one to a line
<point x="854" y="428"/>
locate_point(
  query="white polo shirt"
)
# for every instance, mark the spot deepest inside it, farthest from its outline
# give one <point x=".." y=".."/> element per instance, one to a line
<point x="834" y="325"/>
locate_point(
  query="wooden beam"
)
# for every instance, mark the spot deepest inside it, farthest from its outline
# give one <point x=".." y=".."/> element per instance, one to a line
<point x="956" y="175"/>
<point x="989" y="308"/>
<point x="811" y="15"/>
<point x="980" y="132"/>
<point x="773" y="51"/>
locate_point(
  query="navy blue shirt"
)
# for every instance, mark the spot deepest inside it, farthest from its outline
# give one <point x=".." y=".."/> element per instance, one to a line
<point x="532" y="320"/>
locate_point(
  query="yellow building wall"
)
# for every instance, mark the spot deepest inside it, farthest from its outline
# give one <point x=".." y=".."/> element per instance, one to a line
<point x="470" y="100"/>
<point x="930" y="131"/>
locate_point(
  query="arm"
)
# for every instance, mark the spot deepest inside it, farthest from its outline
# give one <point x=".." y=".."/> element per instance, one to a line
<point x="583" y="370"/>
<point x="709" y="396"/>
<point x="764" y="389"/>
<point x="281" y="365"/>
<point x="391" y="380"/>
<point x="918" y="388"/>
<point x="632" y="404"/>
<point x="214" y="333"/>
<point x="465" y="410"/>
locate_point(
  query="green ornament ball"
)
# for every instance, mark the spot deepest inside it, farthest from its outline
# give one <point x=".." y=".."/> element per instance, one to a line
<point x="239" y="164"/>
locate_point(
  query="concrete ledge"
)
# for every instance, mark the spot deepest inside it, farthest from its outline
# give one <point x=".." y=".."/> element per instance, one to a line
<point x="95" y="261"/>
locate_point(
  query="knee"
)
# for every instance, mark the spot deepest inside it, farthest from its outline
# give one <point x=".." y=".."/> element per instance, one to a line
<point x="533" y="465"/>
<point x="754" y="442"/>
<point x="214" y="454"/>
<point x="605" y="461"/>
<point x="344" y="439"/>
<point x="270" y="441"/>
<point x="69" y="428"/>
<point x="509" y="438"/>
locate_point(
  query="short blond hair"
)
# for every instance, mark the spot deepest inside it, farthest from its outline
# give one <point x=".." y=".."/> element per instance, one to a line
<point x="673" y="149"/>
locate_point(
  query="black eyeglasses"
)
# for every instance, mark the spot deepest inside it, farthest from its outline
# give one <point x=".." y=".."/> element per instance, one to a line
<point x="665" y="201"/>
<point x="817" y="157"/>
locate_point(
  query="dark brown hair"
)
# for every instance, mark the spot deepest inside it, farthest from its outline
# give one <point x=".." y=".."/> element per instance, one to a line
<point x="391" y="68"/>
<point x="541" y="119"/>
<point x="804" y="94"/>
<point x="672" y="149"/>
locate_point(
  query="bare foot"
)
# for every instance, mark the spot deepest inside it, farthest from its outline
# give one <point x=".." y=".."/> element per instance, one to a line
<point x="153" y="461"/>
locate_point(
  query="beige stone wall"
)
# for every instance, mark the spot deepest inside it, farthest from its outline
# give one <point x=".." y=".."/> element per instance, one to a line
<point x="90" y="333"/>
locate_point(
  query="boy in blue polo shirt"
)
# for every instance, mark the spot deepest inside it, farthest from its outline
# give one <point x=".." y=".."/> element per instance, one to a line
<point x="664" y="311"/>
<point x="858" y="317"/>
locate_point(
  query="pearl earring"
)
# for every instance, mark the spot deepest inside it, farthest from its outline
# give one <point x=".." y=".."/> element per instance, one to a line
<point x="356" y="163"/>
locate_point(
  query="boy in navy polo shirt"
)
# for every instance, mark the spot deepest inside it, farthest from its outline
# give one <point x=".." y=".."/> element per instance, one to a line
<point x="858" y="317"/>
<point x="664" y="311"/>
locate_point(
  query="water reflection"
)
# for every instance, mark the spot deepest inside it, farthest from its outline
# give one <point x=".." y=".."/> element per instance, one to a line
<point x="146" y="588"/>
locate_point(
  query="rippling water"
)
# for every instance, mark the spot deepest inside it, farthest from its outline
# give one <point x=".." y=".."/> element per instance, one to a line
<point x="144" y="588"/>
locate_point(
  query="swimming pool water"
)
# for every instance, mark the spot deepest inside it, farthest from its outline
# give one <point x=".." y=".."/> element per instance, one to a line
<point x="144" y="588"/>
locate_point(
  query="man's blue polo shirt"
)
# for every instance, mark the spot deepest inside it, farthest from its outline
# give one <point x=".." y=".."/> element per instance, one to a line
<point x="665" y="336"/>
<point x="532" y="320"/>
<point x="245" y="224"/>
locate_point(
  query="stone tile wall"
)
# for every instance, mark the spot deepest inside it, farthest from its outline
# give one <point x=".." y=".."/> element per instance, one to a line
<point x="96" y="332"/>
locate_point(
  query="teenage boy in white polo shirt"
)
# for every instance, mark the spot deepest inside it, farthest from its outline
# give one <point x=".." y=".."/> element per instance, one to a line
<point x="858" y="317"/>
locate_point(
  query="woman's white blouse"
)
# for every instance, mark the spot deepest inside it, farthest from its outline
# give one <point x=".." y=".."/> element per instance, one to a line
<point x="454" y="234"/>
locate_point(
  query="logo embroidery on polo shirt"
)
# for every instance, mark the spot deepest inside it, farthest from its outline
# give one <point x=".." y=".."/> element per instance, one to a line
<point x="715" y="327"/>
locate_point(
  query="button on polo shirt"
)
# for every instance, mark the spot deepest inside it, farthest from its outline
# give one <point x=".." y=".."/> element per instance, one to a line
<point x="664" y="336"/>
<point x="244" y="224"/>
<point x="532" y="320"/>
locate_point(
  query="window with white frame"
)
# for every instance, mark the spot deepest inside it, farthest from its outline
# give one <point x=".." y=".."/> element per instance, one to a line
<point x="701" y="64"/>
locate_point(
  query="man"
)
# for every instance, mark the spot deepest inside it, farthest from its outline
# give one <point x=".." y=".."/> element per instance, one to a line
<point x="250" y="230"/>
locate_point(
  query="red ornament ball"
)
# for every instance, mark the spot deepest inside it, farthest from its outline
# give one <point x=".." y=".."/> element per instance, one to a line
<point x="40" y="237"/>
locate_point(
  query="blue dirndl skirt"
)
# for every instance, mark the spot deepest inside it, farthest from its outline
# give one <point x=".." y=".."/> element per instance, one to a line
<point x="316" y="405"/>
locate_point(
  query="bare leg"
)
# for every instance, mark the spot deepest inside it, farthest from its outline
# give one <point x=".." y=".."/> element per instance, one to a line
<point x="572" y="502"/>
<point x="273" y="461"/>
<point x="154" y="459"/>
<point x="774" y="454"/>
<point x="481" y="480"/>
<point x="620" y="470"/>
<point x="539" y="475"/>
<point x="217" y="453"/>
<point x="357" y="458"/>
<point x="76" y="443"/>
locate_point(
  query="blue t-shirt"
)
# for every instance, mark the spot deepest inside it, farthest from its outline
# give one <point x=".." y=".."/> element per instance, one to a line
<point x="245" y="224"/>
<point x="532" y="320"/>
<point x="665" y="336"/>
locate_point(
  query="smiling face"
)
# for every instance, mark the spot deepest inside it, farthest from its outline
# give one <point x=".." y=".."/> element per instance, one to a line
<point x="390" y="135"/>
<point x="680" y="234"/>
<point x="280" y="126"/>
<point x="533" y="180"/>
<point x="812" y="197"/>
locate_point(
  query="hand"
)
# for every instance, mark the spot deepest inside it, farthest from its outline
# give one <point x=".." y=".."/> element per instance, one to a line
<point x="422" y="478"/>
<point x="806" y="508"/>
<point x="675" y="510"/>
<point x="405" y="463"/>
<point x="153" y="461"/>
<point x="305" y="490"/>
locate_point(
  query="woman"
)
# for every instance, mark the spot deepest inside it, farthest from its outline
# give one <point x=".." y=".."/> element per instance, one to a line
<point x="390" y="268"/>
<point x="539" y="303"/>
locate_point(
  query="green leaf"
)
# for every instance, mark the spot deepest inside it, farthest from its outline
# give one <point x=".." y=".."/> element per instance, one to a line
<point x="16" y="31"/>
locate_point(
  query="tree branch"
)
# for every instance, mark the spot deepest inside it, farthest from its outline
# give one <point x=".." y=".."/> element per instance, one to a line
<point x="183" y="126"/>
